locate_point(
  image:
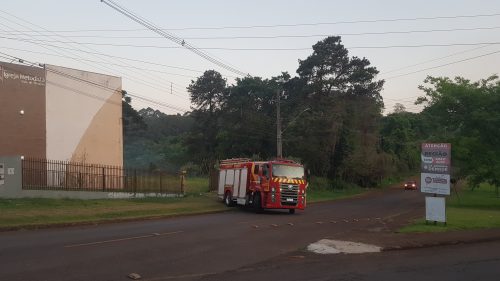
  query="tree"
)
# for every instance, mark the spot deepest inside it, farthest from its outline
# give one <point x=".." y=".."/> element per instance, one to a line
<point x="132" y="121"/>
<point x="208" y="93"/>
<point x="399" y="108"/>
<point x="401" y="133"/>
<point x="346" y="105"/>
<point x="467" y="114"/>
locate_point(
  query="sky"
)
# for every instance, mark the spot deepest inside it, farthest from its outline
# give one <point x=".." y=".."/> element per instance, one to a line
<point x="392" y="35"/>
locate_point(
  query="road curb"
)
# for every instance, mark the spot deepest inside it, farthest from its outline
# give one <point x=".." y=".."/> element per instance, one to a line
<point x="103" y="222"/>
<point x="418" y="245"/>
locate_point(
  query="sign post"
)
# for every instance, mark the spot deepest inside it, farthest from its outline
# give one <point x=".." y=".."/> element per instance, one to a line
<point x="435" y="179"/>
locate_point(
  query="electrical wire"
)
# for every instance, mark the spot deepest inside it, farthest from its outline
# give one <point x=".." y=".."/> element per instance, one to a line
<point x="171" y="37"/>
<point x="123" y="58"/>
<point x="443" y="65"/>
<point x="296" y="24"/>
<point x="433" y="60"/>
<point x="254" y="49"/>
<point x="142" y="81"/>
<point x="93" y="83"/>
<point x="281" y="36"/>
<point x="120" y="65"/>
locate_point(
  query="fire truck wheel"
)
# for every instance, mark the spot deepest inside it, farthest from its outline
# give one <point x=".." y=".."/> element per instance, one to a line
<point x="228" y="200"/>
<point x="291" y="211"/>
<point x="257" y="206"/>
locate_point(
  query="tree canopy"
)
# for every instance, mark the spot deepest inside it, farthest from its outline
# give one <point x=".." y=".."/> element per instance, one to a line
<point x="466" y="114"/>
<point x="331" y="115"/>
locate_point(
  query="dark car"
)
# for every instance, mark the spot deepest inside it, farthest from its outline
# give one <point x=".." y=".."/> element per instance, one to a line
<point x="412" y="185"/>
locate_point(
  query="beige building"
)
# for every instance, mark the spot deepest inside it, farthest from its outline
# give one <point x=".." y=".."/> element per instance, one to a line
<point x="60" y="113"/>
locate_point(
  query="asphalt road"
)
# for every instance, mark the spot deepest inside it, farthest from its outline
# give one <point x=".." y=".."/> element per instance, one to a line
<point x="208" y="246"/>
<point x="479" y="261"/>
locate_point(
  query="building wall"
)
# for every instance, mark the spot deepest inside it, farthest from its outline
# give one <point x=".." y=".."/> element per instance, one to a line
<point x="22" y="88"/>
<point x="84" y="116"/>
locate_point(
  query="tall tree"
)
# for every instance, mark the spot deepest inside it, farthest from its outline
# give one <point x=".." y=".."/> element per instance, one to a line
<point x="467" y="114"/>
<point x="337" y="88"/>
<point x="208" y="94"/>
<point x="132" y="121"/>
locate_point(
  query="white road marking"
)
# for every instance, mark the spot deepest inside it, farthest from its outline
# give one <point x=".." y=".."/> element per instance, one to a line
<point x="122" y="239"/>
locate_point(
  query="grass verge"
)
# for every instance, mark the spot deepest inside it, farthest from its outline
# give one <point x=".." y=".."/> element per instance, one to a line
<point x="34" y="213"/>
<point x="469" y="209"/>
<point x="314" y="196"/>
<point x="18" y="213"/>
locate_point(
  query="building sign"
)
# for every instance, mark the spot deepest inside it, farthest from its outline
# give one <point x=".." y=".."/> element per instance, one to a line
<point x="23" y="78"/>
<point x="435" y="168"/>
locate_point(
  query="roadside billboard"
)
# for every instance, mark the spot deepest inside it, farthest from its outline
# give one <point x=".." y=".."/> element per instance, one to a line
<point x="435" y="183"/>
<point x="435" y="168"/>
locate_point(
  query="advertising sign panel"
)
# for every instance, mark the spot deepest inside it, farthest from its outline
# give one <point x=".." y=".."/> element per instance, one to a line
<point x="435" y="183"/>
<point x="435" y="168"/>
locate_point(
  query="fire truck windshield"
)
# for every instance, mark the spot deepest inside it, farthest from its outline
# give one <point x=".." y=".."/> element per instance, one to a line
<point x="294" y="172"/>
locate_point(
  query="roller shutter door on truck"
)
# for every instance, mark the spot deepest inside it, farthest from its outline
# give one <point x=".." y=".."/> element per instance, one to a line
<point x="222" y="180"/>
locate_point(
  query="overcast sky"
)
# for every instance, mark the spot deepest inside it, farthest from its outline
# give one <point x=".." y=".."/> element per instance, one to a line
<point x="84" y="30"/>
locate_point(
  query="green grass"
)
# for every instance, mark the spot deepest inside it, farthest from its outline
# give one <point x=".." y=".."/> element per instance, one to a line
<point x="323" y="189"/>
<point x="459" y="219"/>
<point x="469" y="209"/>
<point x="29" y="213"/>
<point x="331" y="194"/>
<point x="483" y="197"/>
<point x="17" y="213"/>
<point x="196" y="185"/>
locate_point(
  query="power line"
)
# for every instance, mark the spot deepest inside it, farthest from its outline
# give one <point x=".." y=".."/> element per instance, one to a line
<point x="443" y="65"/>
<point x="120" y="65"/>
<point x="171" y="37"/>
<point x="293" y="24"/>
<point x="254" y="49"/>
<point x="282" y="36"/>
<point x="57" y="47"/>
<point x="93" y="83"/>
<point x="80" y="59"/>
<point x="118" y="57"/>
<point x="433" y="60"/>
<point x="408" y="99"/>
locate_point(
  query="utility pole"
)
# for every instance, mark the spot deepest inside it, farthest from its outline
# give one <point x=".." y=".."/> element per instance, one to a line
<point x="278" y="126"/>
<point x="279" y="131"/>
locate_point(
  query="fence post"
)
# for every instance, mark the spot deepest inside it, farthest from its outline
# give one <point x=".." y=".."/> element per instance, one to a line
<point x="135" y="181"/>
<point x="183" y="178"/>
<point x="103" y="179"/>
<point x="125" y="179"/>
<point x="161" y="188"/>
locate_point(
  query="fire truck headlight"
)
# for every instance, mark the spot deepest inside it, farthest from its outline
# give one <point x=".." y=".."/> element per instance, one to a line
<point x="273" y="189"/>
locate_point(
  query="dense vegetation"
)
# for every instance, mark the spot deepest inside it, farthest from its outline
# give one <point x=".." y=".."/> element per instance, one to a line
<point x="332" y="122"/>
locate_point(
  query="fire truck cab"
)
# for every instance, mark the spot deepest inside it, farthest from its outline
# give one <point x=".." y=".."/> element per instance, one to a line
<point x="276" y="184"/>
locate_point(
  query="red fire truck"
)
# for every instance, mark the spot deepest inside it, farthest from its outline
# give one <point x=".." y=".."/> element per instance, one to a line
<point x="276" y="184"/>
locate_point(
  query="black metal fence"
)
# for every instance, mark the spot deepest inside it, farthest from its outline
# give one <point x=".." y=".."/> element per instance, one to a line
<point x="43" y="174"/>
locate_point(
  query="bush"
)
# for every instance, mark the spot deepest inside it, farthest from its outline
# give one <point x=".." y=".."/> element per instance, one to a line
<point x="192" y="170"/>
<point x="321" y="183"/>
